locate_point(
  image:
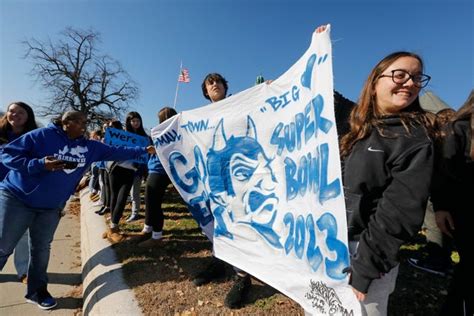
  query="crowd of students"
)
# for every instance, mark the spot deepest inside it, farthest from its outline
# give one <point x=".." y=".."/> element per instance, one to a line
<point x="413" y="157"/>
<point x="116" y="180"/>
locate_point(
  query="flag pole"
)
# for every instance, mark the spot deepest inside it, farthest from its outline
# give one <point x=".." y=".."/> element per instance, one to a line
<point x="177" y="86"/>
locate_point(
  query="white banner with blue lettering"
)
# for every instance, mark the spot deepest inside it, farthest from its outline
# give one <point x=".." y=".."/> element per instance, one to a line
<point x="266" y="160"/>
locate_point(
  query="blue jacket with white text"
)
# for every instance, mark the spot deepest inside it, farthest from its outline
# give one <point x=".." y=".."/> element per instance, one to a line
<point x="37" y="187"/>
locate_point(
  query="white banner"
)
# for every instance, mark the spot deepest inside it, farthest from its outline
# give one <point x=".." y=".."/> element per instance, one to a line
<point x="266" y="160"/>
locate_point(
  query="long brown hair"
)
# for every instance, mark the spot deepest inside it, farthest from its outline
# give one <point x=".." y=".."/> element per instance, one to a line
<point x="365" y="116"/>
<point x="128" y="124"/>
<point x="5" y="127"/>
<point x="165" y="113"/>
<point x="442" y="119"/>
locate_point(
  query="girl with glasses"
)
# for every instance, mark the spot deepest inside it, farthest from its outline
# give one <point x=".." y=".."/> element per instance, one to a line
<point x="387" y="158"/>
<point x="386" y="198"/>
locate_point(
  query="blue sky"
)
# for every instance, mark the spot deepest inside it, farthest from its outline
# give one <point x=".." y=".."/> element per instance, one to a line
<point x="241" y="40"/>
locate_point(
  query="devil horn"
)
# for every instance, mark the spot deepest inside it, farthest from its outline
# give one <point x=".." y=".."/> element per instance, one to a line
<point x="219" y="133"/>
<point x="251" y="129"/>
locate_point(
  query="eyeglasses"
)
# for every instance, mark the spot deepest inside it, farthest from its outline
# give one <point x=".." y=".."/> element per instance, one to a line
<point x="401" y="76"/>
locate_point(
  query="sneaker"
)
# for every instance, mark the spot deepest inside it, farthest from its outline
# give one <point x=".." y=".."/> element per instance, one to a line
<point x="215" y="270"/>
<point x="42" y="299"/>
<point x="140" y="237"/>
<point x="150" y="243"/>
<point x="133" y="218"/>
<point x="98" y="203"/>
<point x="428" y="266"/>
<point x="237" y="294"/>
<point x="103" y="210"/>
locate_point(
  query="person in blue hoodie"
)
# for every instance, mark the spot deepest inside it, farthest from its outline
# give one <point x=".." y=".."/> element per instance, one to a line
<point x="18" y="120"/>
<point x="156" y="184"/>
<point x="46" y="165"/>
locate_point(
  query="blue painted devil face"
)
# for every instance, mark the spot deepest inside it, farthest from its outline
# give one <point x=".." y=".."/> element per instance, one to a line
<point x="242" y="182"/>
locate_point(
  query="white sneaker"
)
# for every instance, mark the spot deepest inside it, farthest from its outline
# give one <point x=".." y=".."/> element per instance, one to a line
<point x="98" y="203"/>
<point x="132" y="218"/>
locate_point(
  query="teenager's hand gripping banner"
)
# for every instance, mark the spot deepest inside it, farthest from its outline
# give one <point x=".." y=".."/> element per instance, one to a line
<point x="266" y="163"/>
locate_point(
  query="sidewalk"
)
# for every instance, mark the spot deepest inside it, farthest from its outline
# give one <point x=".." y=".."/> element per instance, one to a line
<point x="64" y="273"/>
<point x="104" y="289"/>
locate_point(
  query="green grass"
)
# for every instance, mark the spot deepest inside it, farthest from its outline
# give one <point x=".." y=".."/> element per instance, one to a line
<point x="417" y="292"/>
<point x="266" y="303"/>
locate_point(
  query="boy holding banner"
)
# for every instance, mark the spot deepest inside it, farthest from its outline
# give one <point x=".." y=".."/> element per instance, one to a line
<point x="214" y="88"/>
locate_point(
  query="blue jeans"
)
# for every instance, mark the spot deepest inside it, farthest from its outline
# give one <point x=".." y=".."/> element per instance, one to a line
<point x="94" y="180"/>
<point x="135" y="194"/>
<point x="21" y="257"/>
<point x="15" y="219"/>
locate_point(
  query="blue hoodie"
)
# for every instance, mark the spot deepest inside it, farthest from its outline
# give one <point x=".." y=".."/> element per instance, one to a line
<point x="3" y="169"/>
<point x="155" y="166"/>
<point x="39" y="188"/>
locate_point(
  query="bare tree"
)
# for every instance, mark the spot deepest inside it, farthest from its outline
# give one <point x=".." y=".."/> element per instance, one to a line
<point x="80" y="79"/>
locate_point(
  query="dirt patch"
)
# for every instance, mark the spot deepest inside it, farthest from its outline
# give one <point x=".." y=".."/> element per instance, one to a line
<point x="162" y="281"/>
<point x="74" y="209"/>
<point x="162" y="277"/>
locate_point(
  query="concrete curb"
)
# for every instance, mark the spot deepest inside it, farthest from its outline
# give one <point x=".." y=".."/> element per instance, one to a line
<point x="104" y="289"/>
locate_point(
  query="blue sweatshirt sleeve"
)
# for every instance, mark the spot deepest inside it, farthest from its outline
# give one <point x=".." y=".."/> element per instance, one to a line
<point x="18" y="155"/>
<point x="111" y="153"/>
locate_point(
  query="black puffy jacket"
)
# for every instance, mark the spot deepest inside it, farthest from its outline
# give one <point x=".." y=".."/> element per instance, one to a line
<point x="386" y="185"/>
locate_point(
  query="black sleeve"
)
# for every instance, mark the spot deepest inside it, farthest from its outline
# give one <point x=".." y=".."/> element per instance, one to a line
<point x="450" y="170"/>
<point x="342" y="111"/>
<point x="398" y="216"/>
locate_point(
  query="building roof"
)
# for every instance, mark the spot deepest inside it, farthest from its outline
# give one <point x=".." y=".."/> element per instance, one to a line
<point x="432" y="103"/>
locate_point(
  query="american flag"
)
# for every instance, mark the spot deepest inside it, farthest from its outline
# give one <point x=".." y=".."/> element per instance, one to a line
<point x="184" y="76"/>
